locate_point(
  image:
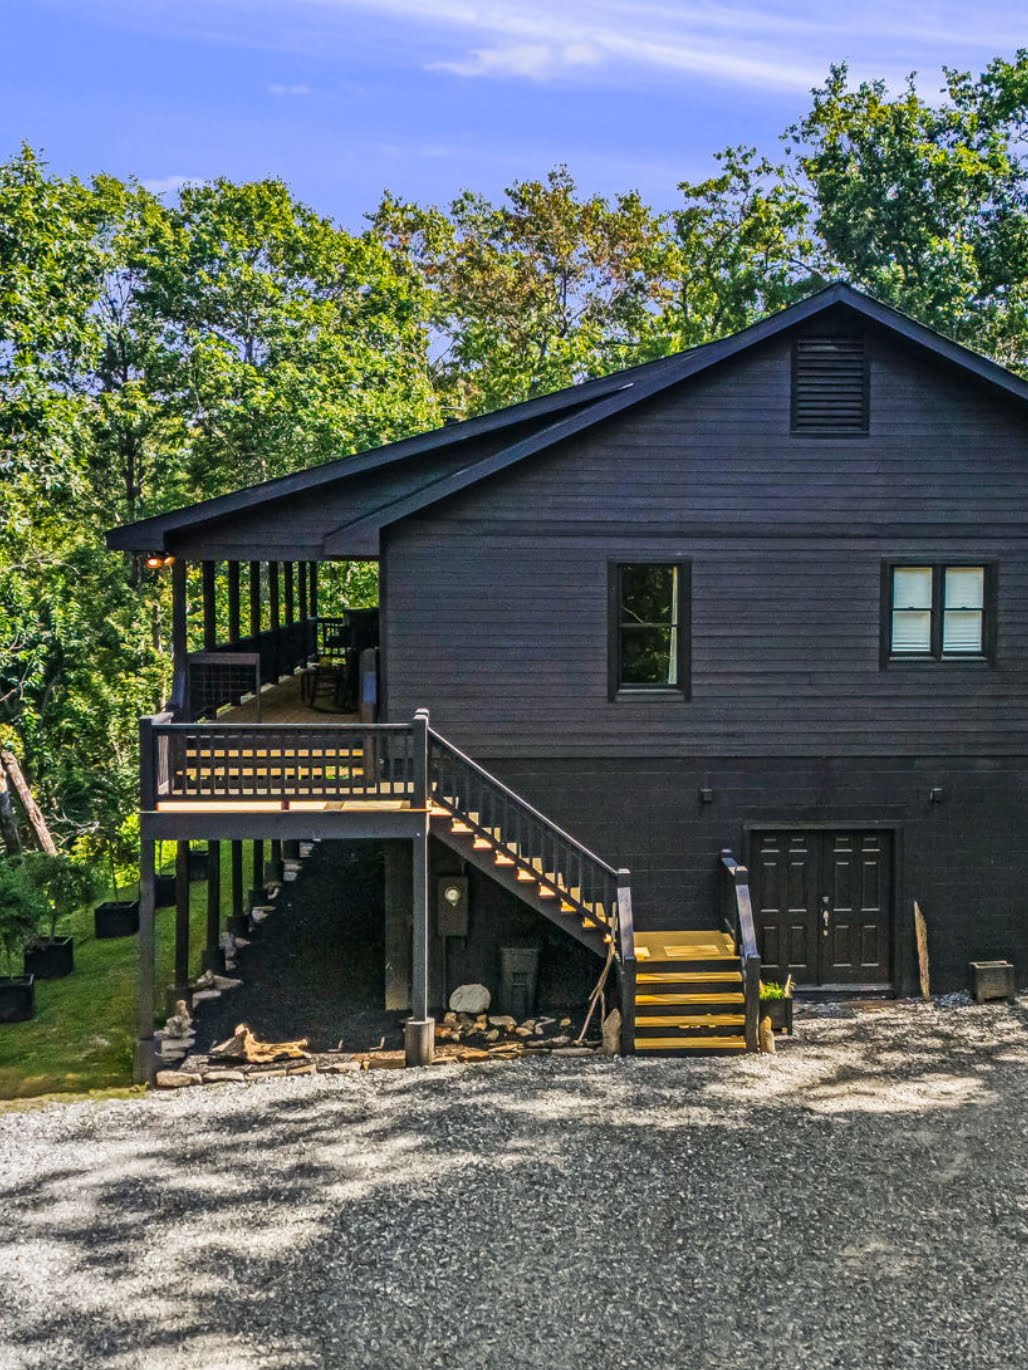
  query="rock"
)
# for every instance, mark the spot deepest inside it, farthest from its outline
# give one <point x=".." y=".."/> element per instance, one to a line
<point x="492" y="1035"/>
<point x="564" y="1023"/>
<point x="472" y="999"/>
<point x="176" y="1079"/>
<point x="573" y="1051"/>
<point x="529" y="1023"/>
<point x="612" y="1032"/>
<point x="450" y="1017"/>
<point x="200" y="996"/>
<point x="341" y="1067"/>
<point x="465" y="1021"/>
<point x="481" y="1023"/>
<point x="523" y="1031"/>
<point x="503" y="1020"/>
<point x="309" y="1069"/>
<point x="213" y="1077"/>
<point x="560" y="1041"/>
<point x="540" y="1028"/>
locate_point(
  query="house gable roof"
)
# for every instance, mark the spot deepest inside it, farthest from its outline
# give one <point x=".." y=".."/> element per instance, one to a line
<point x="572" y="411"/>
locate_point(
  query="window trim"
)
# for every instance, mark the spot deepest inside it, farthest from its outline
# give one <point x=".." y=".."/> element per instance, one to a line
<point x="889" y="660"/>
<point x="843" y="434"/>
<point x="616" y="691"/>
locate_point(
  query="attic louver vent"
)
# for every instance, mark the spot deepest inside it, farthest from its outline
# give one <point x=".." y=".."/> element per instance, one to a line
<point x="829" y="385"/>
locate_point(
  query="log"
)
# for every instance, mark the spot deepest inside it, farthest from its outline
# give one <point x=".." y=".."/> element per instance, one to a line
<point x="8" y="822"/>
<point x="921" y="936"/>
<point x="244" y="1046"/>
<point x="9" y="762"/>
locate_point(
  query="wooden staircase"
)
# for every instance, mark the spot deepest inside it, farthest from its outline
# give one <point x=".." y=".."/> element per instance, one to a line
<point x="689" y="995"/>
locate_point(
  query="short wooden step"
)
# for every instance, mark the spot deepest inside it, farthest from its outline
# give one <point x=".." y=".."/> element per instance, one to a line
<point x="705" y="945"/>
<point x="690" y="1044"/>
<point x="658" y="1000"/>
<point x="690" y="977"/>
<point x="696" y="1020"/>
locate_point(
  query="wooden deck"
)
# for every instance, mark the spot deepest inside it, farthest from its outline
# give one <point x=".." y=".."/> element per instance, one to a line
<point x="283" y="703"/>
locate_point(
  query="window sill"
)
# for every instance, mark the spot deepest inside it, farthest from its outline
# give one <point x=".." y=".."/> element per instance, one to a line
<point x="923" y="662"/>
<point x="656" y="692"/>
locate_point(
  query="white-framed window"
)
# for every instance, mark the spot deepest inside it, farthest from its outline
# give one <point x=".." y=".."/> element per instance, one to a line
<point x="939" y="612"/>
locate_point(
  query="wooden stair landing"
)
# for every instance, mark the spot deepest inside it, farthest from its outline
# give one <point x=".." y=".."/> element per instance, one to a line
<point x="689" y="994"/>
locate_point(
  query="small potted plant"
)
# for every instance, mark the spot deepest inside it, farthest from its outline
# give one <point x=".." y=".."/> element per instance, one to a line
<point x="22" y="908"/>
<point x="776" y="1004"/>
<point x="64" y="886"/>
<point x="117" y="917"/>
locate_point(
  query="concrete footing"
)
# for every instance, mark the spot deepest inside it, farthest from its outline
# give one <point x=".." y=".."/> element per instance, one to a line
<point x="419" y="1041"/>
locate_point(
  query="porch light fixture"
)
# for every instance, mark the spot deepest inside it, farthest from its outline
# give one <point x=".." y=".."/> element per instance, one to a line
<point x="156" y="560"/>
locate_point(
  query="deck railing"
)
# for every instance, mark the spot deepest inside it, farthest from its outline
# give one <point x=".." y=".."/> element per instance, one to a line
<point x="739" y="921"/>
<point x="267" y="761"/>
<point x="533" y="842"/>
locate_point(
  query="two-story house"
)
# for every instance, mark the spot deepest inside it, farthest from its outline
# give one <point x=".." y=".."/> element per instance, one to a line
<point x="748" y="620"/>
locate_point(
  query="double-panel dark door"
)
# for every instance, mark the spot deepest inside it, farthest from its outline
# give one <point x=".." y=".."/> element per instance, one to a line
<point x="822" y="905"/>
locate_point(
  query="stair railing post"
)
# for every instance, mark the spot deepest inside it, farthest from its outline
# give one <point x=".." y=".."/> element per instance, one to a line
<point x="419" y="1030"/>
<point x="625" y="933"/>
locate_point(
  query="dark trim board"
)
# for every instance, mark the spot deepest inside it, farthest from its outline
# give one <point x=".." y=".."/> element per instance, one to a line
<point x="902" y="971"/>
<point x="281" y="825"/>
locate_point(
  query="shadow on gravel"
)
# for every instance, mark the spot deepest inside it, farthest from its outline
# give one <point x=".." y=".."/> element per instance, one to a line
<point x="857" y="1201"/>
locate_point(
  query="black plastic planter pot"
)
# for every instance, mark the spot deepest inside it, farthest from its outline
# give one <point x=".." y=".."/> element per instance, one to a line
<point x="780" y="1013"/>
<point x="116" y="918"/>
<point x="197" y="864"/>
<point x="163" y="891"/>
<point x="52" y="959"/>
<point x="17" y="998"/>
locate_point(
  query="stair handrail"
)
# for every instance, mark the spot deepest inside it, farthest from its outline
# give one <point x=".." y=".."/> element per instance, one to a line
<point x="625" y="947"/>
<point x="517" y="798"/>
<point x="741" y="909"/>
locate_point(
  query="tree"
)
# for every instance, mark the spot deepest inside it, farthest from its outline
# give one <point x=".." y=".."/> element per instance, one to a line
<point x="535" y="293"/>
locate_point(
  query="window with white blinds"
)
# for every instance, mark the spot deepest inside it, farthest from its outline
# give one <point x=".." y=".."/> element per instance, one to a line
<point x="938" y="612"/>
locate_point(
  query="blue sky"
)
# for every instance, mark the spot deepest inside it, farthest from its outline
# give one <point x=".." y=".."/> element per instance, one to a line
<point x="344" y="97"/>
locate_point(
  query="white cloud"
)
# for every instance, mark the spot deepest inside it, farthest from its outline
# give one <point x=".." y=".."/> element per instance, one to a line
<point x="164" y="185"/>
<point x="534" y="60"/>
<point x="277" y="88"/>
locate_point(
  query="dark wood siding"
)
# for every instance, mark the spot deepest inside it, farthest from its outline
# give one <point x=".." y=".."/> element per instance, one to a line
<point x="498" y="598"/>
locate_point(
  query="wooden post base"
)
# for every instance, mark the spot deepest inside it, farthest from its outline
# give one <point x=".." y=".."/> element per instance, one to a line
<point x="419" y="1041"/>
<point x="144" y="1061"/>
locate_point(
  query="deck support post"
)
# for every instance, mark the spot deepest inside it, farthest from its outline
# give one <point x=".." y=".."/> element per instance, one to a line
<point x="398" y="927"/>
<point x="419" y="1030"/>
<point x="257" y="866"/>
<point x="313" y="588"/>
<point x="180" y="985"/>
<point x="301" y="589"/>
<point x="274" y="621"/>
<point x="144" y="1062"/>
<point x="212" y="954"/>
<point x="273" y="870"/>
<point x="239" y="923"/>
<point x="287" y="586"/>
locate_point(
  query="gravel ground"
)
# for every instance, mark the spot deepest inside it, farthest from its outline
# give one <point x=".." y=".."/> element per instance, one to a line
<point x="859" y="1200"/>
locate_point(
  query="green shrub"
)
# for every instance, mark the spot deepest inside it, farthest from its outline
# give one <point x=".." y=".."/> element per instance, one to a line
<point x="22" y="909"/>
<point x="65" y="885"/>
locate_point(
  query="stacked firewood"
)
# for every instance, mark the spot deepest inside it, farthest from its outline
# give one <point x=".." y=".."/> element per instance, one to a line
<point x="500" y="1034"/>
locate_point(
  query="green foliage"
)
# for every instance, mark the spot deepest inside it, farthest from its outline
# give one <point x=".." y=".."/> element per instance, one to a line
<point x="22" y="909"/>
<point x="64" y="884"/>
<point x="771" y="989"/>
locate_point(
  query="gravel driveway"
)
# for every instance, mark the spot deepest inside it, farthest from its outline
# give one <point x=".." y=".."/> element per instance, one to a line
<point x="860" y="1200"/>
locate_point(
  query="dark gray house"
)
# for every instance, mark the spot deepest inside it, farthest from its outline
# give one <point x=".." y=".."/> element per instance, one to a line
<point x="745" y="628"/>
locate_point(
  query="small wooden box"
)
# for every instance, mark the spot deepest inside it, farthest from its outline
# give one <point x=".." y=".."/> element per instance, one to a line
<point x="992" y="980"/>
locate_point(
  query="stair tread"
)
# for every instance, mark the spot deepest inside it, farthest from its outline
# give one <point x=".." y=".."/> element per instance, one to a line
<point x="690" y="1044"/>
<point x="695" y="1020"/>
<point x="653" y="1000"/>
<point x="705" y="945"/>
<point x="690" y="977"/>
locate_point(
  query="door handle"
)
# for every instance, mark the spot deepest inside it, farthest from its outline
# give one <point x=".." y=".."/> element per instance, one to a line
<point x="825" y="913"/>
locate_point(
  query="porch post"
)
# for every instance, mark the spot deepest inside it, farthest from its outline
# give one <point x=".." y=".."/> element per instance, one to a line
<point x="180" y="987"/>
<point x="287" y="579"/>
<point x="210" y="621"/>
<point x="233" y="601"/>
<point x="258" y="867"/>
<point x="301" y="588"/>
<point x="255" y="598"/>
<point x="179" y="639"/>
<point x="211" y="958"/>
<point x="314" y="588"/>
<point x="419" y="1030"/>
<point x="144" y="1063"/>
<point x="273" y="620"/>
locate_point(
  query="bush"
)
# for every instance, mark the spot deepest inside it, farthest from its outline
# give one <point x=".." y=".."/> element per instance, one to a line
<point x="23" y="908"/>
<point x="64" y="885"/>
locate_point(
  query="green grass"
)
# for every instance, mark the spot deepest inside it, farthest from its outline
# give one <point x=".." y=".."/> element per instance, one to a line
<point x="81" y="1037"/>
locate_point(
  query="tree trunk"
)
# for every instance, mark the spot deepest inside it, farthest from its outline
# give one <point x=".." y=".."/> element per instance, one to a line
<point x="8" y="823"/>
<point x="9" y="762"/>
